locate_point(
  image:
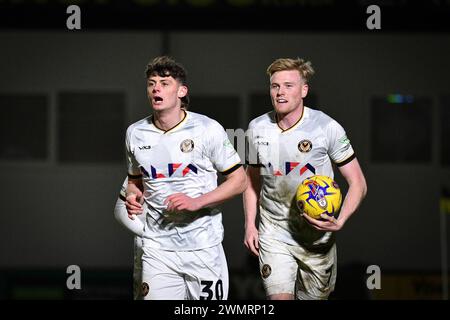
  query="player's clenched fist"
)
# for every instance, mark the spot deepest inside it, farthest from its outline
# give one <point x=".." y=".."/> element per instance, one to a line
<point x="134" y="204"/>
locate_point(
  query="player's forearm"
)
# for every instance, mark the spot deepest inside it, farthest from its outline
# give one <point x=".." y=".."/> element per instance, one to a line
<point x="121" y="215"/>
<point x="250" y="199"/>
<point x="356" y="193"/>
<point x="234" y="184"/>
<point x="251" y="196"/>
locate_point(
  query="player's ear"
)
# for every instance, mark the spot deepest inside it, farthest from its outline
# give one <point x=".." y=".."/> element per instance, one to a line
<point x="182" y="91"/>
<point x="305" y="89"/>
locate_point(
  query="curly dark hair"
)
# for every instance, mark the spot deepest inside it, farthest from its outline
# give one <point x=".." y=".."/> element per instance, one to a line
<point x="165" y="66"/>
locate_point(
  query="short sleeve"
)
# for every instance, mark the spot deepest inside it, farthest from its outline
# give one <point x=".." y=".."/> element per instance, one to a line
<point x="339" y="148"/>
<point x="132" y="164"/>
<point x="220" y="150"/>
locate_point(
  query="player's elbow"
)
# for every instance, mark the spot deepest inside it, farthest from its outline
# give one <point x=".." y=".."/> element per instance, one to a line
<point x="363" y="188"/>
<point x="244" y="183"/>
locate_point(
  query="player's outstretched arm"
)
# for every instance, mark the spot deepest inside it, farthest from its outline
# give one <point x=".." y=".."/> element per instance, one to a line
<point x="356" y="192"/>
<point x="234" y="184"/>
<point x="251" y="199"/>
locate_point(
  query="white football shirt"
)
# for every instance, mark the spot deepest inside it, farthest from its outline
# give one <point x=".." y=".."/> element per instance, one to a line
<point x="286" y="158"/>
<point x="184" y="159"/>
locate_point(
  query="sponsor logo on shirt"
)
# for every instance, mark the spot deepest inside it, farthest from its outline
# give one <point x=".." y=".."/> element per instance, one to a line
<point x="289" y="167"/>
<point x="171" y="169"/>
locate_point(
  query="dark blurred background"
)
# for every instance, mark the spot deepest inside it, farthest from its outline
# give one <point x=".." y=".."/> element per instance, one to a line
<point x="67" y="97"/>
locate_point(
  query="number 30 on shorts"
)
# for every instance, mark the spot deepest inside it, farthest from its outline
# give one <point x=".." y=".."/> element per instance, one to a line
<point x="211" y="290"/>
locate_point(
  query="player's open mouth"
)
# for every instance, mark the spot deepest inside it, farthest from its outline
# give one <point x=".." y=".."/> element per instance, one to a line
<point x="157" y="100"/>
<point x="281" y="100"/>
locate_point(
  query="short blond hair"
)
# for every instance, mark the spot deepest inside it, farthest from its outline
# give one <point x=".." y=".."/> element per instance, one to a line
<point x="283" y="64"/>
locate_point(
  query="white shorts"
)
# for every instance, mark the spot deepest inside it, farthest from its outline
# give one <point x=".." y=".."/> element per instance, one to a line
<point x="184" y="275"/>
<point x="292" y="269"/>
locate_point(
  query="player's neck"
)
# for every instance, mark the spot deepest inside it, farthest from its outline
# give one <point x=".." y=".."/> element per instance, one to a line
<point x="287" y="120"/>
<point x="167" y="119"/>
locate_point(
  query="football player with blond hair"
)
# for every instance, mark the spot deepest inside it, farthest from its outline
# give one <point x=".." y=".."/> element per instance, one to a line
<point x="297" y="253"/>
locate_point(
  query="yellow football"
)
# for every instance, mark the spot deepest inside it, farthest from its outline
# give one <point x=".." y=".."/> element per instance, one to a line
<point x="317" y="195"/>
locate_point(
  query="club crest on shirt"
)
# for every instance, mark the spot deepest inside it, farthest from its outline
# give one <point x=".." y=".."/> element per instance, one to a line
<point x="145" y="289"/>
<point x="266" y="271"/>
<point x="304" y="146"/>
<point x="187" y="145"/>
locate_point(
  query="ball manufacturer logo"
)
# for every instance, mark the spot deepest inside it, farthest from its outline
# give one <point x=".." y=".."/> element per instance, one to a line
<point x="304" y="146"/>
<point x="266" y="271"/>
<point x="145" y="289"/>
<point x="187" y="145"/>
